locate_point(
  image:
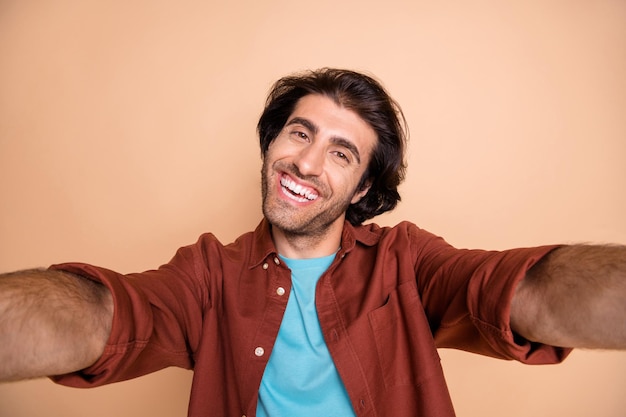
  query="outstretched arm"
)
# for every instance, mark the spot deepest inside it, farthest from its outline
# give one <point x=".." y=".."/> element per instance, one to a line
<point x="574" y="297"/>
<point x="51" y="323"/>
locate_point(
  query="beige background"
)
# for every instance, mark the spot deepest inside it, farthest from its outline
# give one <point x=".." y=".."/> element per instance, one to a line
<point x="127" y="128"/>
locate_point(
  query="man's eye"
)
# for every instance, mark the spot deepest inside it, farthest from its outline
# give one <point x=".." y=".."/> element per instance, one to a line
<point x="300" y="135"/>
<point x="342" y="156"/>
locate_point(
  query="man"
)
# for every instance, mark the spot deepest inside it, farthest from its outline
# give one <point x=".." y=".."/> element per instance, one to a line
<point x="314" y="313"/>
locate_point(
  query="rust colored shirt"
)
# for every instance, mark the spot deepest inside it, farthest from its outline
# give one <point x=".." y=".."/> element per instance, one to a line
<point x="391" y="297"/>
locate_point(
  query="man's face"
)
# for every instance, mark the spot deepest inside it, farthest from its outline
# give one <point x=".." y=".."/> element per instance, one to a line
<point x="311" y="171"/>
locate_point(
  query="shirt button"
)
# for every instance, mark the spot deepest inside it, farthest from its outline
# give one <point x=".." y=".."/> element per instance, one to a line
<point x="265" y="266"/>
<point x="280" y="291"/>
<point x="259" y="351"/>
<point x="276" y="261"/>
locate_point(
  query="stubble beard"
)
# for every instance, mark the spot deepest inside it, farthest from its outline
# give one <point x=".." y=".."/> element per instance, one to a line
<point x="289" y="219"/>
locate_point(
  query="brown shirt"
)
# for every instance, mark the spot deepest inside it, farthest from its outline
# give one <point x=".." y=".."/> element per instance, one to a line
<point x="391" y="297"/>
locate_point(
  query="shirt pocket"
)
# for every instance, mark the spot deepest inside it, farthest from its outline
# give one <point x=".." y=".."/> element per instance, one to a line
<point x="405" y="348"/>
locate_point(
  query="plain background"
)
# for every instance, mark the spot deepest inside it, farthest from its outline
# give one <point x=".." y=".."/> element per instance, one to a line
<point x="127" y="128"/>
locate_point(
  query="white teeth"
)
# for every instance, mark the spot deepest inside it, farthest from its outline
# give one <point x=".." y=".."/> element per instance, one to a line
<point x="298" y="189"/>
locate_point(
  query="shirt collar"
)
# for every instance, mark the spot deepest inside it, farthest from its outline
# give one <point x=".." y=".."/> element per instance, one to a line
<point x="263" y="245"/>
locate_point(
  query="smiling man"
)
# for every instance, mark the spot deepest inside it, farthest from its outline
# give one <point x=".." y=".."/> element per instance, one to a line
<point x="312" y="172"/>
<point x="314" y="313"/>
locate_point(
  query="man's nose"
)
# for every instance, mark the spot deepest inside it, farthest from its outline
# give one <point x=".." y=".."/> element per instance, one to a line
<point x="310" y="160"/>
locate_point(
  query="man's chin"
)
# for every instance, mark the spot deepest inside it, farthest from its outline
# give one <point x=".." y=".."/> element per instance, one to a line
<point x="285" y="226"/>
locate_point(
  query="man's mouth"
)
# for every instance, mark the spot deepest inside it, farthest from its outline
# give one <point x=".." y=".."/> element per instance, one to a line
<point x="297" y="191"/>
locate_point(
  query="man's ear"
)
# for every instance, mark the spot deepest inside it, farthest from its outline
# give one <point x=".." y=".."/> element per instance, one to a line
<point x="361" y="191"/>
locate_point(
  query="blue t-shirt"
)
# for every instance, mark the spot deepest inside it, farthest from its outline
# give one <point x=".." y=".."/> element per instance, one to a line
<point x="300" y="378"/>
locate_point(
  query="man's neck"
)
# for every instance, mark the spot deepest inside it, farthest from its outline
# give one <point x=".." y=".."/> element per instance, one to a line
<point x="305" y="246"/>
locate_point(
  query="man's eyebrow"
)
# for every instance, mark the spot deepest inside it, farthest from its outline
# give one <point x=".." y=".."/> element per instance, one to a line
<point x="338" y="140"/>
<point x="304" y="122"/>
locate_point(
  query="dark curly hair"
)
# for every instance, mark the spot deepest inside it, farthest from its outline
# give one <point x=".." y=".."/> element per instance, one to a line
<point x="367" y="98"/>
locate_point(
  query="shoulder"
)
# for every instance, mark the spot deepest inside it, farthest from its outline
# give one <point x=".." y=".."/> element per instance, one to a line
<point x="404" y="228"/>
